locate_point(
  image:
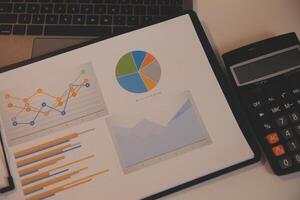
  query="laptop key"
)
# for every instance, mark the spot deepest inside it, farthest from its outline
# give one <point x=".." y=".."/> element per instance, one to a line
<point x="34" y="30"/>
<point x="19" y="7"/>
<point x="113" y="9"/>
<point x="92" y="19"/>
<point x="132" y="20"/>
<point x="78" y="19"/>
<point x="147" y="2"/>
<point x="5" y="7"/>
<point x="51" y="19"/>
<point x="146" y="19"/>
<point x="153" y="10"/>
<point x="140" y="10"/>
<point x="8" y="18"/>
<point x="170" y="10"/>
<point x="78" y="30"/>
<point x="119" y="20"/>
<point x="100" y="9"/>
<point x="46" y="8"/>
<point x="86" y="9"/>
<point x="38" y="19"/>
<point x="137" y="1"/>
<point x="60" y="8"/>
<point x="33" y="8"/>
<point x="5" y="29"/>
<point x="106" y="20"/>
<point x="97" y="1"/>
<point x="65" y="19"/>
<point x="73" y="9"/>
<point x="19" y="29"/>
<point x="124" y="1"/>
<point x="176" y="2"/>
<point x="24" y="19"/>
<point x="164" y="2"/>
<point x="110" y="1"/>
<point x="126" y="10"/>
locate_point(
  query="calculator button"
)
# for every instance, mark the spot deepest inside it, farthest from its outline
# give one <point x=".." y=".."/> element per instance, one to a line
<point x="288" y="105"/>
<point x="294" y="117"/>
<point x="297" y="158"/>
<point x="284" y="95"/>
<point x="287" y="133"/>
<point x="256" y="104"/>
<point x="297" y="129"/>
<point x="278" y="150"/>
<point x="281" y="121"/>
<point x="285" y="163"/>
<point x="268" y="126"/>
<point x="261" y="115"/>
<point x="293" y="145"/>
<point x="272" y="138"/>
<point x="276" y="109"/>
<point x="271" y="100"/>
<point x="296" y="91"/>
<point x="298" y="101"/>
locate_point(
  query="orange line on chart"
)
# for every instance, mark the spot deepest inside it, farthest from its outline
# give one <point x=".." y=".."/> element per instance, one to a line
<point x="66" y="186"/>
<point x="55" y="190"/>
<point x="47" y="173"/>
<point x="52" y="181"/>
<point x="59" y="99"/>
<point x="39" y="166"/>
<point x="28" y="109"/>
<point x="46" y="145"/>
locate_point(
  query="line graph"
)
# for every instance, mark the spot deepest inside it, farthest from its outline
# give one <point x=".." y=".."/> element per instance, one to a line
<point x="42" y="107"/>
<point x="45" y="108"/>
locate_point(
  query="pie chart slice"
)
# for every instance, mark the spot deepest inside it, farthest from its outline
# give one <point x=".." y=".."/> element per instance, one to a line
<point x="138" y="72"/>
<point x="133" y="83"/>
<point x="152" y="71"/>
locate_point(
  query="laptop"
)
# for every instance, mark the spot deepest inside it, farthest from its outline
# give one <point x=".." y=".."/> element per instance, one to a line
<point x="30" y="28"/>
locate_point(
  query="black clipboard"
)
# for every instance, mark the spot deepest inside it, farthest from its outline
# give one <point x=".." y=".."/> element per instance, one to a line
<point x="10" y="181"/>
<point x="228" y="91"/>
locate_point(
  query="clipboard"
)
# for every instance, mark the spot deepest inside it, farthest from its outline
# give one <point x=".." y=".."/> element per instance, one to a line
<point x="227" y="91"/>
<point x="8" y="183"/>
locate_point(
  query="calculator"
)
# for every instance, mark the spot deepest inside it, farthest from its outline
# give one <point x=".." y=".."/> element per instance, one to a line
<point x="266" y="77"/>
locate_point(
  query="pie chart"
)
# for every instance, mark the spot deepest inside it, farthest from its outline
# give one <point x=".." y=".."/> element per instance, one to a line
<point x="138" y="72"/>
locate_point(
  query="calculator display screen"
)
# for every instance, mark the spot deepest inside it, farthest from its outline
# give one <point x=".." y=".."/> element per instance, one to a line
<point x="266" y="66"/>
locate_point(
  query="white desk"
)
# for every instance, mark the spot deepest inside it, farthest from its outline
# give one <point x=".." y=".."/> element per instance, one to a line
<point x="233" y="23"/>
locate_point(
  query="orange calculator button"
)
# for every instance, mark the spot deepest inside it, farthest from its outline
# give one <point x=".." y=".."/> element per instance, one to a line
<point x="278" y="150"/>
<point x="272" y="138"/>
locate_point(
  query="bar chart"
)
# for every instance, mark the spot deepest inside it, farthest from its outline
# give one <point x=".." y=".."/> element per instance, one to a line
<point x="50" y="168"/>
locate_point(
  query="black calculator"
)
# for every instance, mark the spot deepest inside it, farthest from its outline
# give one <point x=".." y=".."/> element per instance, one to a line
<point x="266" y="76"/>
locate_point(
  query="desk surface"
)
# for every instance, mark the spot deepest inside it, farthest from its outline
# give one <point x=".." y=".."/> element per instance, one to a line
<point x="233" y="23"/>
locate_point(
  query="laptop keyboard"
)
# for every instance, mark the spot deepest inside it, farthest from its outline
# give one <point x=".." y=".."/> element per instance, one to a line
<point x="81" y="17"/>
